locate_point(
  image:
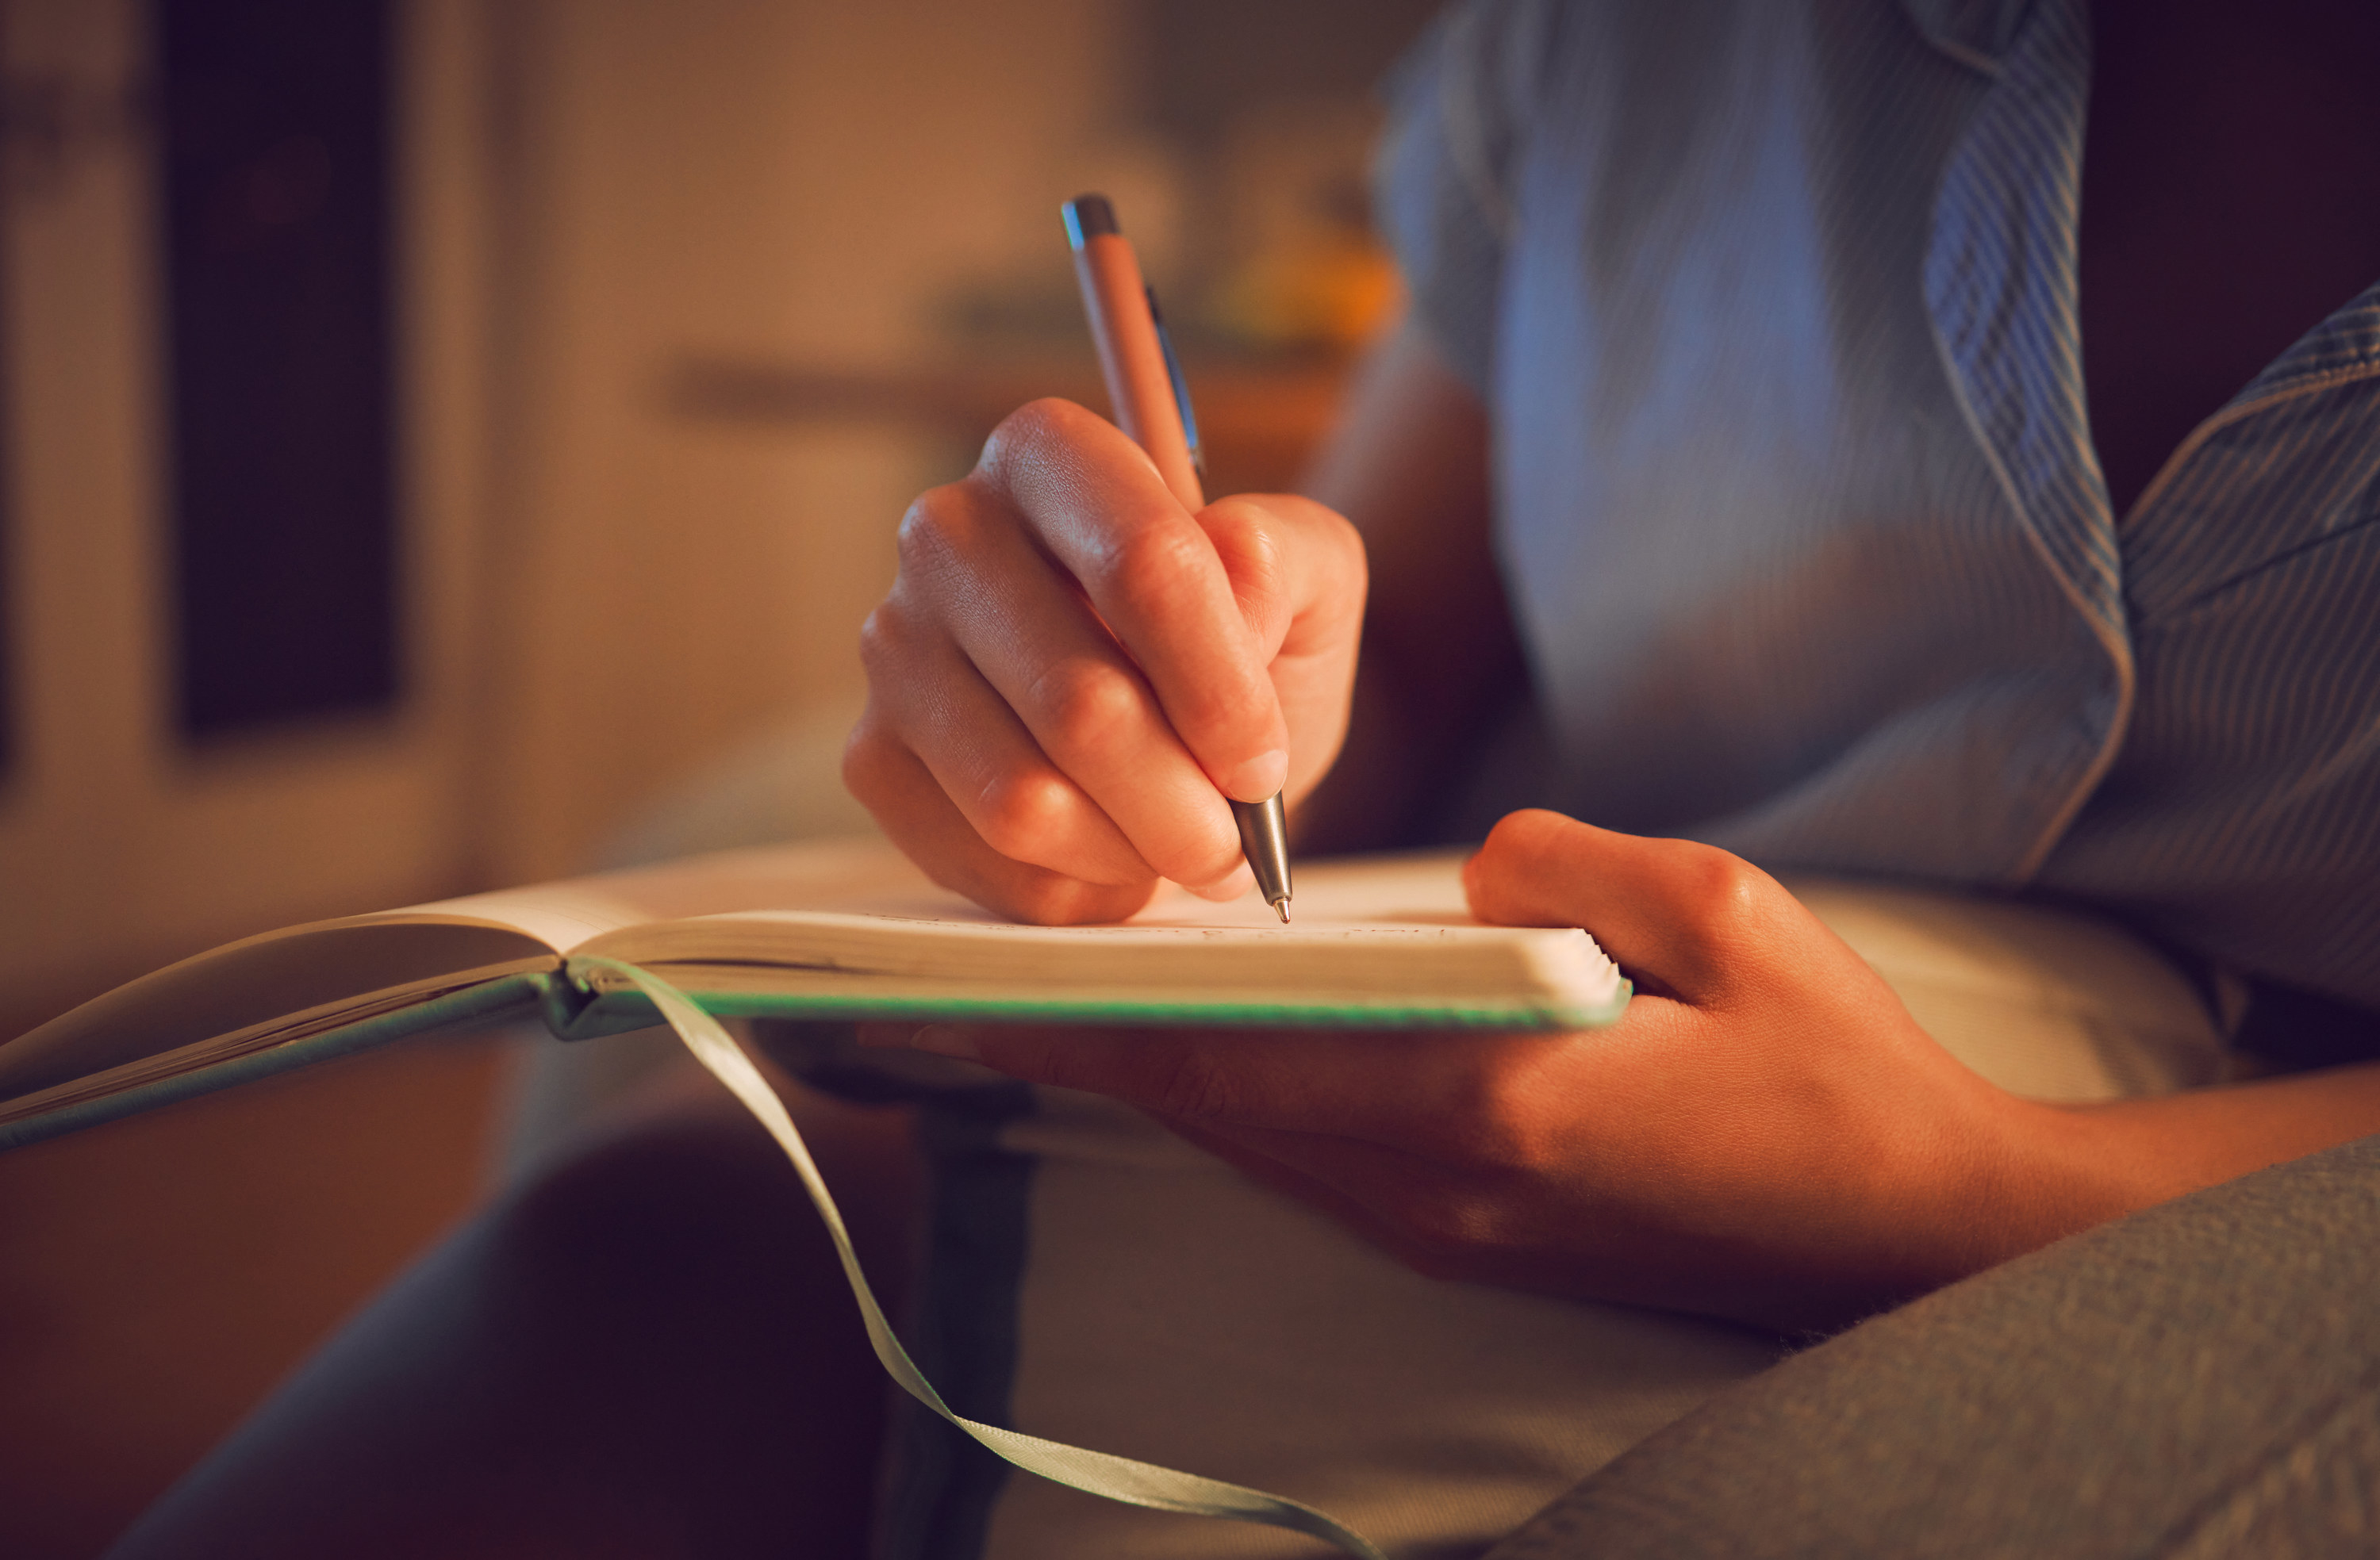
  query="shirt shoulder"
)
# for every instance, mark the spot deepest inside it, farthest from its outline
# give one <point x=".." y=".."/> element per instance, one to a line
<point x="1461" y="102"/>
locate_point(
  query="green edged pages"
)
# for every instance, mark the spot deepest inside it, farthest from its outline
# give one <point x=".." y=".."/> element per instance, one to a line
<point x="846" y="930"/>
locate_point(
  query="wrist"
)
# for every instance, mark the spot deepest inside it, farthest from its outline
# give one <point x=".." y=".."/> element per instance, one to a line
<point x="1997" y="1178"/>
<point x="2041" y="1173"/>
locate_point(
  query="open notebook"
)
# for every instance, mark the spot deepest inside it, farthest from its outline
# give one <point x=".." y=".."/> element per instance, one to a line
<point x="843" y="930"/>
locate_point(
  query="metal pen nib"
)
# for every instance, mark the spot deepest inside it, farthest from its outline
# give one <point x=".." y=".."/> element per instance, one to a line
<point x="1264" y="838"/>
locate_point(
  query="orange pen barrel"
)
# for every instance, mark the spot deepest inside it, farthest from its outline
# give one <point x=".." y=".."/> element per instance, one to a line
<point x="1132" y="356"/>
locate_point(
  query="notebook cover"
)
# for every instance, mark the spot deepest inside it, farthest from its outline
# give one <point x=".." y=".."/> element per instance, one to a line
<point x="510" y="997"/>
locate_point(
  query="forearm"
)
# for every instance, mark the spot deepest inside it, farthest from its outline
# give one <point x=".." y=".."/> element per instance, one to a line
<point x="1409" y="467"/>
<point x="2071" y="1167"/>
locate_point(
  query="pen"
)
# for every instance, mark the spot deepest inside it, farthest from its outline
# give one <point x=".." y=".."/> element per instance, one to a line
<point x="1152" y="406"/>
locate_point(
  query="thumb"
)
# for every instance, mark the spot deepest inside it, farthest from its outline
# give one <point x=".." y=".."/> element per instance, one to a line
<point x="1676" y="915"/>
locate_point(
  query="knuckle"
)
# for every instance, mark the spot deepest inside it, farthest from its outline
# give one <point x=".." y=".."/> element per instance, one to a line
<point x="1246" y="535"/>
<point x="1203" y="711"/>
<point x="1020" y="814"/>
<point x="1032" y="428"/>
<point x="867" y="762"/>
<point x="1143" y="570"/>
<point x="1085" y="707"/>
<point x="935" y="525"/>
<point x="1255" y="561"/>
<point x="1724" y="893"/>
<point x="884" y="635"/>
<point x="1264" y="537"/>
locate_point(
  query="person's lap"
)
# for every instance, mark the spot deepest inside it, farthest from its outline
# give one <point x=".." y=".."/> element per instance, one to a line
<point x="1168" y="1309"/>
<point x="647" y="1349"/>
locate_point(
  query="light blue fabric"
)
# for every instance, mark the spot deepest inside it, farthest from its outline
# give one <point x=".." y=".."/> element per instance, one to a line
<point x="1774" y="308"/>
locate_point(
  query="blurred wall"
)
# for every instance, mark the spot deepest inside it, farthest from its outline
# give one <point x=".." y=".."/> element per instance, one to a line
<point x="603" y="589"/>
<point x="761" y="180"/>
<point x="120" y="845"/>
<point x="600" y="590"/>
<point x="598" y="593"/>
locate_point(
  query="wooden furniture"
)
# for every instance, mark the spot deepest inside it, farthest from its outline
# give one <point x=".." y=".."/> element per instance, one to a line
<point x="1260" y="418"/>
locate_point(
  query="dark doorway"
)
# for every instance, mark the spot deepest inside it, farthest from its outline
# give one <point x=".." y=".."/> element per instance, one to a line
<point x="275" y="161"/>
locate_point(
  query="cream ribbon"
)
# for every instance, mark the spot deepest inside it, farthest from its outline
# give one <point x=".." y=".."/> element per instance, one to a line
<point x="1119" y="1479"/>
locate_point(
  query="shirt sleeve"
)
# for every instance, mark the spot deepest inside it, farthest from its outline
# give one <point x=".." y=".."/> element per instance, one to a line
<point x="1443" y="182"/>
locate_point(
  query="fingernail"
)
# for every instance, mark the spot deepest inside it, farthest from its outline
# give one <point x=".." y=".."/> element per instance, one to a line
<point x="944" y="1041"/>
<point x="1258" y="779"/>
<point x="1238" y="882"/>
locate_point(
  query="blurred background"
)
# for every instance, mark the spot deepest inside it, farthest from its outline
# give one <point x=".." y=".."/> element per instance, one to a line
<point x="448" y="443"/>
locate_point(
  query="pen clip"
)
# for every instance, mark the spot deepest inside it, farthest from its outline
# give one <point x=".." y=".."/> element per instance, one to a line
<point x="1181" y="387"/>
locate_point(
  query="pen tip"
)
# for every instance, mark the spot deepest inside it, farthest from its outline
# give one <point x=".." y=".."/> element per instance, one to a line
<point x="1282" y="908"/>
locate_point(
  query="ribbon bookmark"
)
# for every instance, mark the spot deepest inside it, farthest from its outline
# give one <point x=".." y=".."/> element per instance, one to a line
<point x="1098" y="1473"/>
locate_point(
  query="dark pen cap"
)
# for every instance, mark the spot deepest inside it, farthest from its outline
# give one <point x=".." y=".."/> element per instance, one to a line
<point x="1089" y="216"/>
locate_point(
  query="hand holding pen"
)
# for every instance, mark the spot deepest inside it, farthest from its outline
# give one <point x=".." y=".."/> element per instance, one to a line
<point x="1152" y="405"/>
<point x="1081" y="666"/>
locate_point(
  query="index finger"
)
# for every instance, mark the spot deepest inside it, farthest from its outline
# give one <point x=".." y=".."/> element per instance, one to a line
<point x="1157" y="581"/>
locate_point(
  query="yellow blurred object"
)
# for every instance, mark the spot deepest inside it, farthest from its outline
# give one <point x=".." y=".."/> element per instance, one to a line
<point x="1335" y="291"/>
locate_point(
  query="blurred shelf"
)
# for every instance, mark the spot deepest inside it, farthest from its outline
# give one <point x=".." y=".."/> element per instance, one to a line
<point x="1262" y="420"/>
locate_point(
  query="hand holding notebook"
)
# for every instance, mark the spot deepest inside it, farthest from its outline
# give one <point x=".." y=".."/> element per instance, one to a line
<point x="1767" y="1136"/>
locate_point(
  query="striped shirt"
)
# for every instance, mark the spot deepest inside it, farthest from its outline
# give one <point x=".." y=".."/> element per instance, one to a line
<point x="1774" y="310"/>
